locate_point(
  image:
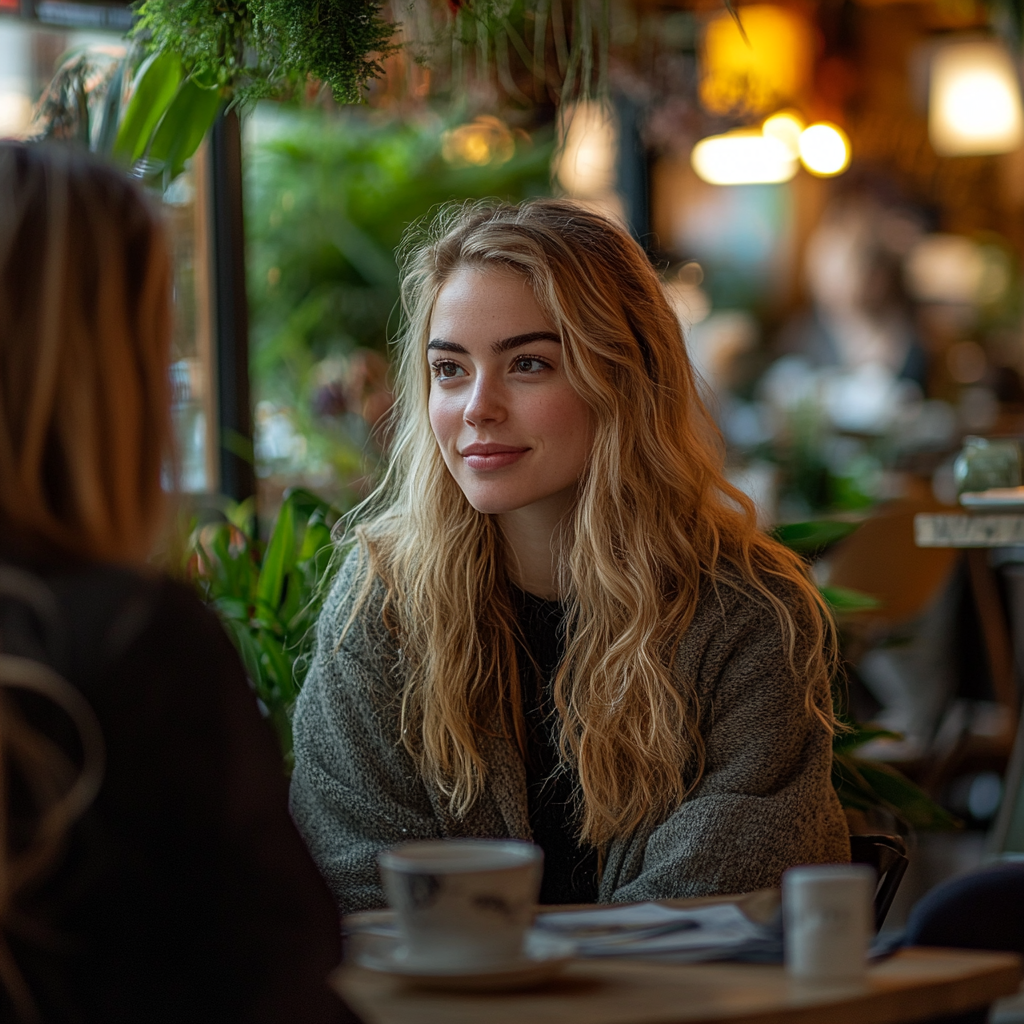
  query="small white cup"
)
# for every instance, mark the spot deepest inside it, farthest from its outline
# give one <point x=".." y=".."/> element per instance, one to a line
<point x="828" y="920"/>
<point x="462" y="902"/>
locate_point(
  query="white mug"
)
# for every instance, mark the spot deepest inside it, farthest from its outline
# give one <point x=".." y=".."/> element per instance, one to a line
<point x="828" y="920"/>
<point x="462" y="902"/>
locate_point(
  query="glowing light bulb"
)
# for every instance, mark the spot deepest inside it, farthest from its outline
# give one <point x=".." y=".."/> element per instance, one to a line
<point x="786" y="127"/>
<point x="824" y="149"/>
<point x="974" y="105"/>
<point x="743" y="158"/>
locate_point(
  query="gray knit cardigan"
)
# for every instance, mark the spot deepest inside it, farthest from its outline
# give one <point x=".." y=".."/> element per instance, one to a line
<point x="764" y="803"/>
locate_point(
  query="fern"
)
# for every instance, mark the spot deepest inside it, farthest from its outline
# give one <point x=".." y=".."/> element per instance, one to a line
<point x="271" y="48"/>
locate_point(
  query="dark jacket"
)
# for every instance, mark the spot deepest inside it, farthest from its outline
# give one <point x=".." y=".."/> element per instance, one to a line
<point x="184" y="893"/>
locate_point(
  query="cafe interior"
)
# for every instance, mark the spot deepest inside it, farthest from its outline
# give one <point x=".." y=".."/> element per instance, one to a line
<point x="832" y="192"/>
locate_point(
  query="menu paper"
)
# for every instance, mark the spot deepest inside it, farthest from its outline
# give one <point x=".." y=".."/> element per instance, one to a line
<point x="652" y="930"/>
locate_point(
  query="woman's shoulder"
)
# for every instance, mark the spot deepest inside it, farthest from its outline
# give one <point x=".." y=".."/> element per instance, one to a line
<point x="733" y="597"/>
<point x="751" y="617"/>
<point x="353" y="614"/>
<point x="117" y="615"/>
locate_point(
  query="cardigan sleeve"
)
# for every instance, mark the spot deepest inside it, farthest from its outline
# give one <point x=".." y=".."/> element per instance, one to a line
<point x="765" y="801"/>
<point x="355" y="790"/>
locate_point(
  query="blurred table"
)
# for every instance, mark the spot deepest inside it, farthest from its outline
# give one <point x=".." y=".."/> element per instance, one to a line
<point x="913" y="985"/>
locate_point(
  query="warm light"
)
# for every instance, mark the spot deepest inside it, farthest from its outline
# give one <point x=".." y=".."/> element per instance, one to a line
<point x="743" y="158"/>
<point x="952" y="268"/>
<point x="15" y="113"/>
<point x="786" y="127"/>
<point x="755" y="74"/>
<point x="486" y="140"/>
<point x="585" y="166"/>
<point x="824" y="149"/>
<point x="974" y="105"/>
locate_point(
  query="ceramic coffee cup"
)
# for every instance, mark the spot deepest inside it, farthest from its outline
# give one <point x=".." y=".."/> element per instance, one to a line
<point x="828" y="921"/>
<point x="462" y="903"/>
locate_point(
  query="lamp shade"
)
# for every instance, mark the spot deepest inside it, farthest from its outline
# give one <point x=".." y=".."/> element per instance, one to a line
<point x="754" y="70"/>
<point x="974" y="103"/>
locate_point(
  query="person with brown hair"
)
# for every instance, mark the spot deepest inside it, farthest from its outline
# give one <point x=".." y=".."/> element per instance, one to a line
<point x="148" y="867"/>
<point x="560" y="621"/>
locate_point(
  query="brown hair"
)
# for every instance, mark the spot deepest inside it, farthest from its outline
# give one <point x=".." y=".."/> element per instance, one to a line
<point x="85" y="329"/>
<point x="654" y="527"/>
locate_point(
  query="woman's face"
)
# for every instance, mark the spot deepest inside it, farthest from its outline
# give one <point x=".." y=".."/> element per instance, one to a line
<point x="512" y="431"/>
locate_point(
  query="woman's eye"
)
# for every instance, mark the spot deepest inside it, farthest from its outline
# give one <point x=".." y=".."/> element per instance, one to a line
<point x="529" y="364"/>
<point x="445" y="369"/>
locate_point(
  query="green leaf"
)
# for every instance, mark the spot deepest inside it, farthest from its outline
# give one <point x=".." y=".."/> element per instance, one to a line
<point x="279" y="666"/>
<point x="188" y="118"/>
<point x="249" y="651"/>
<point x="910" y="802"/>
<point x="307" y="504"/>
<point x="843" y="599"/>
<point x="232" y="607"/>
<point x="155" y="87"/>
<point x="294" y="598"/>
<point x="279" y="557"/>
<point x="859" y="736"/>
<point x="111" y="114"/>
<point x="242" y="514"/>
<point x="811" y="537"/>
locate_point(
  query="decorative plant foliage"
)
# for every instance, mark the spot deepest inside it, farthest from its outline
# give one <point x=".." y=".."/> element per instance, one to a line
<point x="862" y="784"/>
<point x="258" y="49"/>
<point x="82" y="103"/>
<point x="812" y="538"/>
<point x="151" y="121"/>
<point x="528" y="50"/>
<point x="268" y="595"/>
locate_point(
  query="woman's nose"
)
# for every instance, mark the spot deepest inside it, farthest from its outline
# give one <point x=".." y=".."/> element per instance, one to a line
<point x="486" y="402"/>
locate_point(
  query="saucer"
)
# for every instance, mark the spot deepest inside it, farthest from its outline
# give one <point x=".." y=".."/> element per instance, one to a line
<point x="543" y="957"/>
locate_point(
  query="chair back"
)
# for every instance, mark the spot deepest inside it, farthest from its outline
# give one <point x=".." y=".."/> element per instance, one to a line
<point x="888" y="856"/>
<point x="980" y="910"/>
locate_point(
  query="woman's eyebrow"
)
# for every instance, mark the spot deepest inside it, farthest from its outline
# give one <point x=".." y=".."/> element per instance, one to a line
<point x="524" y="339"/>
<point x="498" y="347"/>
<point x="444" y="346"/>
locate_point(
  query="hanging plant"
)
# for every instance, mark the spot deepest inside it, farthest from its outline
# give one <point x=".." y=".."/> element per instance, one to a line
<point x="151" y="109"/>
<point x="257" y="49"/>
<point x="528" y="51"/>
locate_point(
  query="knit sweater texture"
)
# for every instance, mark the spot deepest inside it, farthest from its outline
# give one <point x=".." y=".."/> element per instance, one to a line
<point x="764" y="803"/>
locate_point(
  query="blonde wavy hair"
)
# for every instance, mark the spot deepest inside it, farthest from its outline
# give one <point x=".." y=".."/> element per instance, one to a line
<point x="654" y="527"/>
<point x="85" y="433"/>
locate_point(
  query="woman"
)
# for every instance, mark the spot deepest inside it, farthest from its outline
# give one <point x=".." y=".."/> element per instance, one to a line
<point x="562" y="622"/>
<point x="148" y="867"/>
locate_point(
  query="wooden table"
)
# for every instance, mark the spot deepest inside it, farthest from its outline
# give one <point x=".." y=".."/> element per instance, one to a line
<point x="913" y="985"/>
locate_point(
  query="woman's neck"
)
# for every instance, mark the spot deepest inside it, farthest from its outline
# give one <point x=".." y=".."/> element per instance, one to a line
<point x="530" y="534"/>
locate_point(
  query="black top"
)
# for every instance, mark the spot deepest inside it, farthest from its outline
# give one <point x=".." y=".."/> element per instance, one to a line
<point x="570" y="870"/>
<point x="184" y="894"/>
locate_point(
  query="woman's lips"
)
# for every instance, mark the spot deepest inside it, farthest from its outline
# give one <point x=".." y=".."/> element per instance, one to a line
<point x="482" y="457"/>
